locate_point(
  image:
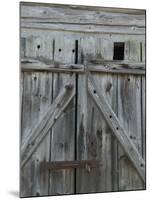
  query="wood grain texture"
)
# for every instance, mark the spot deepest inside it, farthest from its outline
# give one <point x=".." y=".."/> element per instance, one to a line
<point x="25" y="33"/>
<point x="109" y="66"/>
<point x="81" y="15"/>
<point x="118" y="68"/>
<point x="81" y="7"/>
<point x="35" y="182"/>
<point x="93" y="136"/>
<point x="81" y="20"/>
<point x="133" y="30"/>
<point x="143" y="94"/>
<point x="63" y="41"/>
<point x="119" y="131"/>
<point x="37" y="94"/>
<point x="39" y="132"/>
<point x="129" y="113"/>
<point x="63" y="132"/>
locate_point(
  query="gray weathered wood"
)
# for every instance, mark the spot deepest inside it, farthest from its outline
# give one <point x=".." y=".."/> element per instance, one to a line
<point x="93" y="136"/>
<point x="119" y="68"/>
<point x="82" y="15"/>
<point x="32" y="179"/>
<point x="53" y="113"/>
<point x="35" y="131"/>
<point x="85" y="28"/>
<point x="97" y="8"/>
<point x="37" y="65"/>
<point x="103" y="66"/>
<point x="129" y="113"/>
<point x="49" y="33"/>
<point x="143" y="93"/>
<point x="119" y="131"/>
<point x="26" y="33"/>
<point x="62" y="144"/>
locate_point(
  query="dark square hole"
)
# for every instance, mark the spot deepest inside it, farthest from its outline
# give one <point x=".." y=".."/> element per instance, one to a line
<point x="118" y="51"/>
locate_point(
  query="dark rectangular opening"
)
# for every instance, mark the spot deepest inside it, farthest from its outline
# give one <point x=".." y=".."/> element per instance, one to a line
<point x="118" y="51"/>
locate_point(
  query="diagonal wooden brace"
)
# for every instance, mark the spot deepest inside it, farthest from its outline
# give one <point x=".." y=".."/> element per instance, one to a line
<point x="118" y="130"/>
<point x="38" y="133"/>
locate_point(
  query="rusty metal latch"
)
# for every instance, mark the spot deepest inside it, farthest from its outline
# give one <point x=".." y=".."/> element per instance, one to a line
<point x="57" y="165"/>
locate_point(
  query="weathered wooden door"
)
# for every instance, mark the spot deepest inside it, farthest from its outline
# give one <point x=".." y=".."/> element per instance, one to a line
<point x="82" y="108"/>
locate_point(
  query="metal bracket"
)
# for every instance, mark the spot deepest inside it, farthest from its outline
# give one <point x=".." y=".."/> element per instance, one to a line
<point x="57" y="165"/>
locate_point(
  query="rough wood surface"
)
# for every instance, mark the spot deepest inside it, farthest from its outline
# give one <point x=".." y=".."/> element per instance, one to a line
<point x="37" y="134"/>
<point x="118" y="130"/>
<point x="29" y="64"/>
<point x="118" y="68"/>
<point x="81" y="7"/>
<point x="35" y="101"/>
<point x="129" y="114"/>
<point x="133" y="30"/>
<point x="58" y="41"/>
<point x="93" y="135"/>
<point x="97" y="66"/>
<point x="81" y="15"/>
<point x="57" y="165"/>
<point x="143" y="90"/>
<point x="27" y="33"/>
<point x="63" y="134"/>
<point x="37" y="95"/>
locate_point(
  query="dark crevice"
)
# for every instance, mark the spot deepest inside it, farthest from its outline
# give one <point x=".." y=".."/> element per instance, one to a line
<point x="76" y="111"/>
<point x="118" y="51"/>
<point x="141" y="52"/>
<point x="52" y="97"/>
<point x="53" y="49"/>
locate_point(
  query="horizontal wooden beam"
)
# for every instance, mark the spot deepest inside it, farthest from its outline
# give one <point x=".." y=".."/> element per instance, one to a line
<point x="117" y="67"/>
<point x="82" y="15"/>
<point x="38" y="133"/>
<point x="28" y="65"/>
<point x="86" y="28"/>
<point x="117" y="128"/>
<point x="86" y="8"/>
<point x="56" y="165"/>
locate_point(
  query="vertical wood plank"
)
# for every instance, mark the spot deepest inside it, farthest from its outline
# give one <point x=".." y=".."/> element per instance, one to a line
<point x="129" y="113"/>
<point x="37" y="94"/>
<point x="25" y="188"/>
<point x="63" y="132"/>
<point x="94" y="138"/>
<point x="143" y="79"/>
